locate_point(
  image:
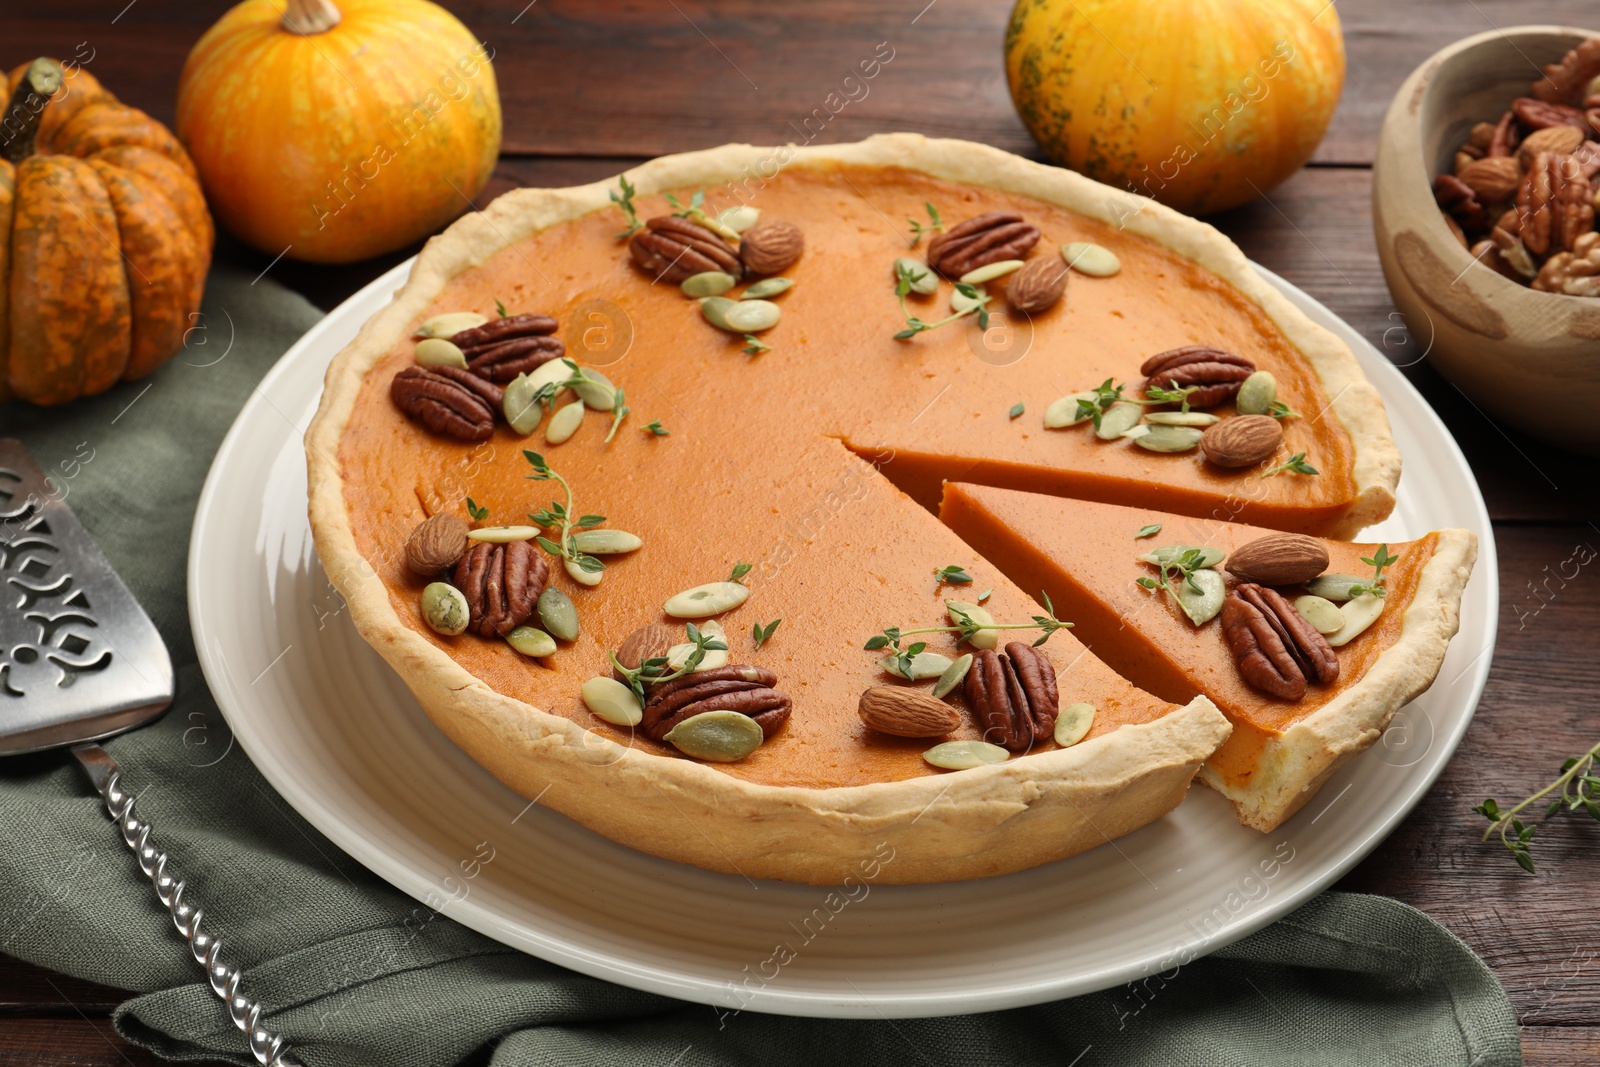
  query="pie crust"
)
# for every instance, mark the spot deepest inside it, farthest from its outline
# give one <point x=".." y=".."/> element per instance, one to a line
<point x="974" y="823"/>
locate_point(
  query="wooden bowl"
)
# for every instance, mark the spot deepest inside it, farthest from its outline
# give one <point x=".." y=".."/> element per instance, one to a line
<point x="1531" y="359"/>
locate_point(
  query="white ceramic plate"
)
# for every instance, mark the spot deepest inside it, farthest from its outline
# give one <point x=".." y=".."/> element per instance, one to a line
<point x="338" y="735"/>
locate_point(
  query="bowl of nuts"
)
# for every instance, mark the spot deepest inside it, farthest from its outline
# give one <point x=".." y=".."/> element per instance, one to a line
<point x="1483" y="202"/>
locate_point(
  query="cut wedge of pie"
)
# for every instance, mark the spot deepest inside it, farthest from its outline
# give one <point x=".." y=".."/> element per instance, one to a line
<point x="793" y="474"/>
<point x="1087" y="556"/>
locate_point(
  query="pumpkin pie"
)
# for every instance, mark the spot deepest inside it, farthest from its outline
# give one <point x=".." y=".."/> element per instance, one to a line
<point x="814" y="453"/>
<point x="1089" y="558"/>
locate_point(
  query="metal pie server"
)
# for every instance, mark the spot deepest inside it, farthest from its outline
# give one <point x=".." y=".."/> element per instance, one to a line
<point x="80" y="661"/>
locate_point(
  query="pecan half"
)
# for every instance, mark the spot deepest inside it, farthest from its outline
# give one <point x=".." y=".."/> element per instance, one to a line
<point x="981" y="240"/>
<point x="1553" y="204"/>
<point x="517" y="344"/>
<point x="1588" y="157"/>
<point x="1014" y="696"/>
<point x="1456" y="199"/>
<point x="1275" y="647"/>
<point x="1576" y="273"/>
<point x="447" y="400"/>
<point x="673" y="248"/>
<point x="1541" y="115"/>
<point x="743" y="688"/>
<point x="502" y="584"/>
<point x="1219" y="374"/>
<point x="1565" y="82"/>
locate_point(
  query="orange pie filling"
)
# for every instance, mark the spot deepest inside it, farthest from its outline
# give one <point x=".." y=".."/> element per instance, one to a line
<point x="819" y="459"/>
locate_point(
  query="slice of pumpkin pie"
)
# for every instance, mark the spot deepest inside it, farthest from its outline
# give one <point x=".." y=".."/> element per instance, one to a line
<point x="1309" y="646"/>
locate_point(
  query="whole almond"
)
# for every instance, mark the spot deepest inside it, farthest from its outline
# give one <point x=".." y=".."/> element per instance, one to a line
<point x="1495" y="178"/>
<point x="437" y="543"/>
<point x="1278" y="559"/>
<point x="1562" y="140"/>
<point x="1242" y="441"/>
<point x="770" y="246"/>
<point x="645" y="643"/>
<point x="1037" y="286"/>
<point x="905" y="712"/>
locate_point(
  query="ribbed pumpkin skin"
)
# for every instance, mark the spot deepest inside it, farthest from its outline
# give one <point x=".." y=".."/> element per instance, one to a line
<point x="107" y="243"/>
<point x="341" y="145"/>
<point x="1202" y="104"/>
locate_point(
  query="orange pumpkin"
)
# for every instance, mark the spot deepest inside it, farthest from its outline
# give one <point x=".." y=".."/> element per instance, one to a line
<point x="104" y="238"/>
<point x="337" y="134"/>
<point x="1201" y="104"/>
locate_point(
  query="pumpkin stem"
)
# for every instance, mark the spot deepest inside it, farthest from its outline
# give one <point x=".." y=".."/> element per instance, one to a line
<point x="308" y="17"/>
<point x="19" y="129"/>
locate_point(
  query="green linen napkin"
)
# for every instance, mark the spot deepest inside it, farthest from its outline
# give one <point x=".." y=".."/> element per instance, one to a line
<point x="1345" y="979"/>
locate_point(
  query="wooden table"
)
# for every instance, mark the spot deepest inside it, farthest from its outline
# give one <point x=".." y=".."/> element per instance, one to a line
<point x="591" y="87"/>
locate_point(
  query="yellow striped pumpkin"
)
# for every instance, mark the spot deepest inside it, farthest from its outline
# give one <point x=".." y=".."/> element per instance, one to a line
<point x="334" y="134"/>
<point x="1202" y="104"/>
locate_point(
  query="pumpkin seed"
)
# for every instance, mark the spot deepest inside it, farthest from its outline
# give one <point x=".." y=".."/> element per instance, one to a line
<point x="581" y="576"/>
<point x="564" y="423"/>
<point x="767" y="287"/>
<point x="605" y="542"/>
<point x="1117" y="419"/>
<point x="1073" y="724"/>
<point x="1203" y="606"/>
<point x="596" y="390"/>
<point x="437" y="352"/>
<point x="1170" y="438"/>
<point x="1170" y="554"/>
<point x="990" y="271"/>
<point x="707" y="283"/>
<point x="444" y="609"/>
<point x="678" y="655"/>
<point x="450" y="324"/>
<point x="1337" y="587"/>
<point x="1256" y="394"/>
<point x="716" y="226"/>
<point x="503" y="535"/>
<point x="558" y="614"/>
<point x="752" y="316"/>
<point x="1181" y="418"/>
<point x="531" y="641"/>
<point x="1064" y="412"/>
<point x="1323" y="614"/>
<point x="1091" y="259"/>
<point x="739" y="219"/>
<point x="714" y="308"/>
<point x="924" y="665"/>
<point x="519" y="407"/>
<point x="965" y="755"/>
<point x="1135" y="433"/>
<point x="612" y="701"/>
<point x="959" y="301"/>
<point x="1359" y="614"/>
<point x="704" y="601"/>
<point x="925" y="281"/>
<point x="953" y="676"/>
<point x="981" y="639"/>
<point x="719" y="736"/>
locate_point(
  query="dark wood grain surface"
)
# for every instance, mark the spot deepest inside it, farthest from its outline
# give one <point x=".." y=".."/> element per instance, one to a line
<point x="590" y="88"/>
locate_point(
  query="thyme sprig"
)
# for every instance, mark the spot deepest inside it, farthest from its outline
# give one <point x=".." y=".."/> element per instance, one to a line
<point x="933" y="225"/>
<point x="696" y="204"/>
<point x="754" y="346"/>
<point x="619" y="411"/>
<point x="1579" y="788"/>
<point x="546" y="393"/>
<point x="653" y="671"/>
<point x="623" y="198"/>
<point x="559" y="516"/>
<point x="1105" y="394"/>
<point x="1178" y="394"/>
<point x="655" y="429"/>
<point x="476" y="510"/>
<point x="501" y="309"/>
<point x="892" y="637"/>
<point x="762" y="634"/>
<point x="954" y="574"/>
<point x="1378" y="561"/>
<point x="1280" y="410"/>
<point x="1295" y="463"/>
<point x="905" y="276"/>
<point x="1180" y="570"/>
